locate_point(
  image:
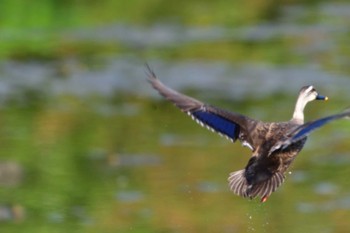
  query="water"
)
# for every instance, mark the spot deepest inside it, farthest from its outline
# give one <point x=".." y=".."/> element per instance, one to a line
<point x="88" y="145"/>
<point x="217" y="79"/>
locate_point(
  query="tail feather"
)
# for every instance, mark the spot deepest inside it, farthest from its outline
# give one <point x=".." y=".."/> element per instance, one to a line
<point x="239" y="185"/>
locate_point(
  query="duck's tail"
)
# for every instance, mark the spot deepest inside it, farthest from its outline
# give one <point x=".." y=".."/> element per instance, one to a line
<point x="240" y="186"/>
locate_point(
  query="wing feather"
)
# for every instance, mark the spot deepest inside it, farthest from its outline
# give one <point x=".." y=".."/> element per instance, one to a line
<point x="223" y="122"/>
<point x="304" y="130"/>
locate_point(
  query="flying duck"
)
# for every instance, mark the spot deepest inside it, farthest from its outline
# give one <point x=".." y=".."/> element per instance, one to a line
<point x="274" y="145"/>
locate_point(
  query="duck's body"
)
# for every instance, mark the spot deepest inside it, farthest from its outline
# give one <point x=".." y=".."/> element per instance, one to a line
<point x="265" y="170"/>
<point x="274" y="145"/>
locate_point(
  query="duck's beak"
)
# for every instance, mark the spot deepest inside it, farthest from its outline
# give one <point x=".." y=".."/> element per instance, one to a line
<point x="321" y="97"/>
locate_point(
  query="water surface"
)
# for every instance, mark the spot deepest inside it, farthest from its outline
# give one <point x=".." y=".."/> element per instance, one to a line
<point x="87" y="145"/>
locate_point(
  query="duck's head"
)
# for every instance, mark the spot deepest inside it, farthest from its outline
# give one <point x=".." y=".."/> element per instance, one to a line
<point x="309" y="93"/>
<point x="306" y="94"/>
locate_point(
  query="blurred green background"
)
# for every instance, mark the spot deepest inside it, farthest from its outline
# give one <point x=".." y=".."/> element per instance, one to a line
<point x="87" y="145"/>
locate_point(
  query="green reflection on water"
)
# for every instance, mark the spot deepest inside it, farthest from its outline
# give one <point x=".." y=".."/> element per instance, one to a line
<point x="136" y="165"/>
<point x="155" y="170"/>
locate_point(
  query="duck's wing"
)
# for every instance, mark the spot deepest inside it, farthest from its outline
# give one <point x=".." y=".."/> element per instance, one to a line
<point x="232" y="125"/>
<point x="304" y="130"/>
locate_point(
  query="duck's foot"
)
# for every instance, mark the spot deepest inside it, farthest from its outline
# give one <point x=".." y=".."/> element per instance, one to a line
<point x="264" y="198"/>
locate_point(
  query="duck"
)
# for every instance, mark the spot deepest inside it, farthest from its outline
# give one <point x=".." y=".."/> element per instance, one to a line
<point x="274" y="145"/>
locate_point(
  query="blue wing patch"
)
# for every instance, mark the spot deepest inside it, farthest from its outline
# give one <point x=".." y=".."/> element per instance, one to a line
<point x="305" y="129"/>
<point x="217" y="123"/>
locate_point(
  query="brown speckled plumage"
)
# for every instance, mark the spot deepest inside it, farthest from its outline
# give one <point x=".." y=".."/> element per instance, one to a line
<point x="274" y="145"/>
<point x="265" y="170"/>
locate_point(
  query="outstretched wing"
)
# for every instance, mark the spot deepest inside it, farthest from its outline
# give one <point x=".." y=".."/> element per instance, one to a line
<point x="217" y="120"/>
<point x="302" y="131"/>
